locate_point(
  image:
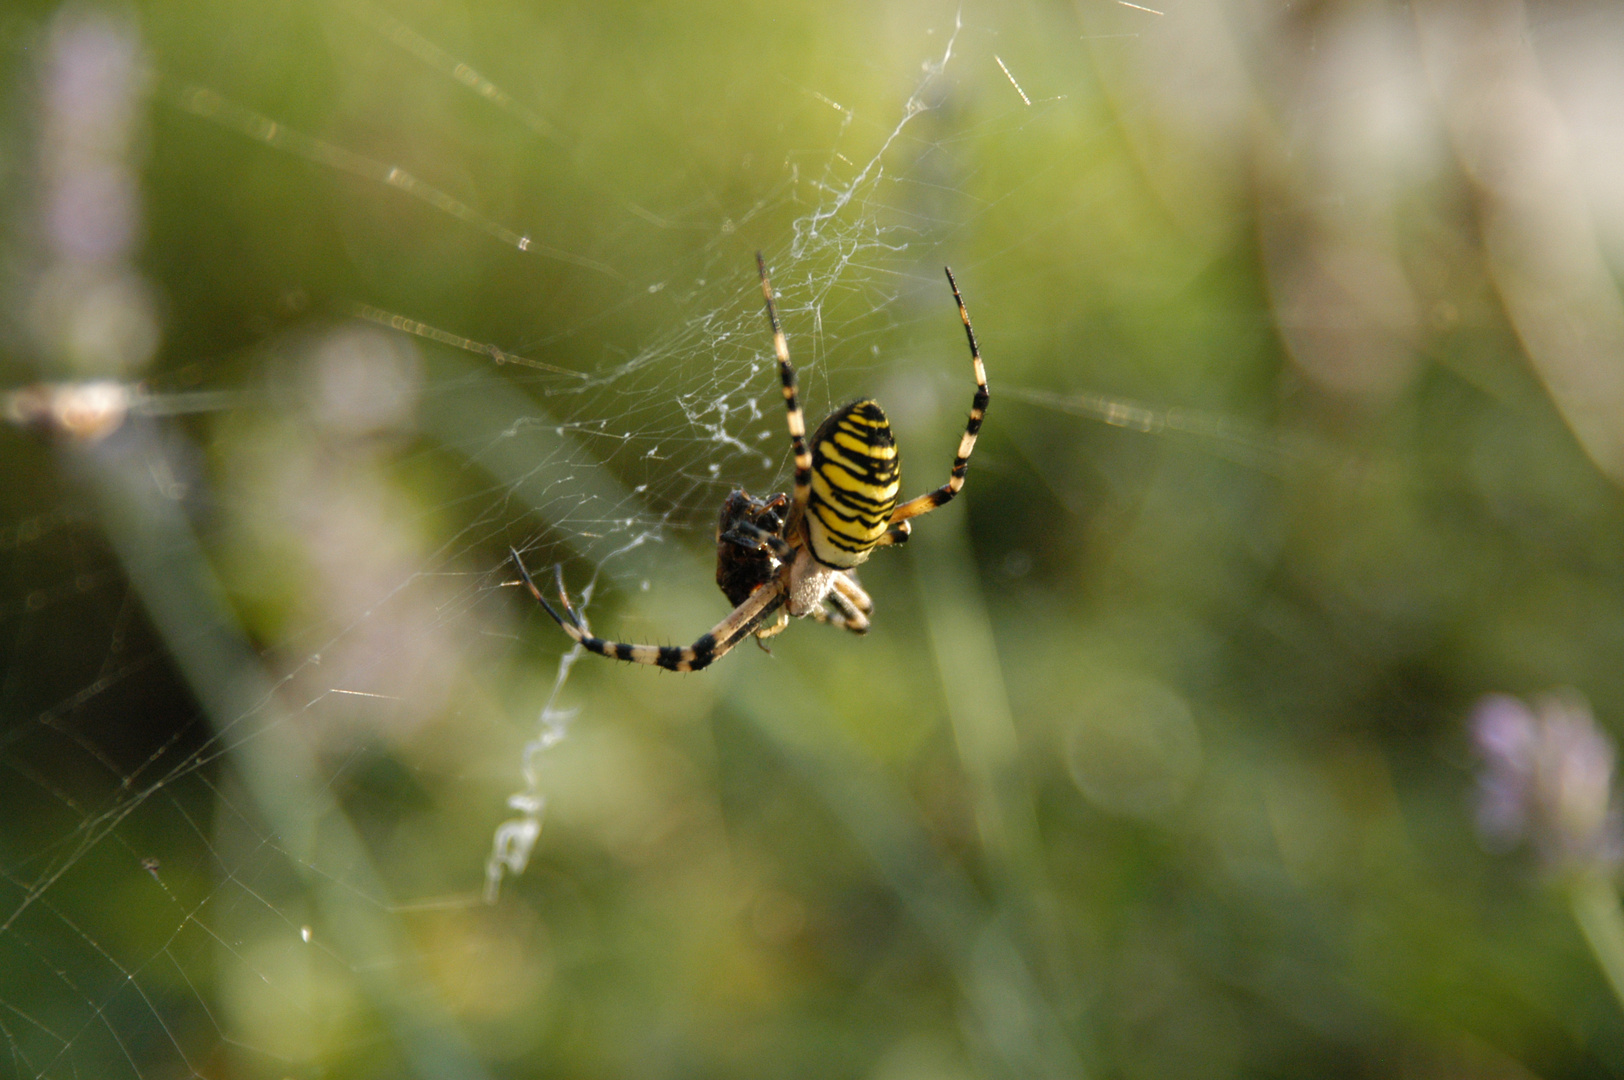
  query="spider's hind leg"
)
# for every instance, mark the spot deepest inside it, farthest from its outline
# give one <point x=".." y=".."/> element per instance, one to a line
<point x="933" y="500"/>
<point x="898" y="533"/>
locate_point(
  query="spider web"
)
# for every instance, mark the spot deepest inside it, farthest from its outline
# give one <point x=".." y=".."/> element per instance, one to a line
<point x="314" y="311"/>
<point x="240" y="881"/>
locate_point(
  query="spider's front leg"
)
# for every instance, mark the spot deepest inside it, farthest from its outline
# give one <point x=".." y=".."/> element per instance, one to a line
<point x="750" y="548"/>
<point x="852" y="606"/>
<point x="740" y="624"/>
<point x="768" y="554"/>
<point x="755" y="538"/>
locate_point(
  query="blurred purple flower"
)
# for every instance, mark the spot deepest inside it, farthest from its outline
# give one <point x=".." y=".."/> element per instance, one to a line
<point x="92" y="313"/>
<point x="90" y="118"/>
<point x="1547" y="778"/>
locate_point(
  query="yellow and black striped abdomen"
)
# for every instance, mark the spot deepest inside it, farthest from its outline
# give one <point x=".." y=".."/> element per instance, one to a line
<point x="855" y="473"/>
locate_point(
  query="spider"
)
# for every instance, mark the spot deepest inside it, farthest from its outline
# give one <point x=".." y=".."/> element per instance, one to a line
<point x="779" y="557"/>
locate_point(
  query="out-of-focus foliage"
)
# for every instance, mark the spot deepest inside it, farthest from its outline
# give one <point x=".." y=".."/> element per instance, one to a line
<point x="1155" y="763"/>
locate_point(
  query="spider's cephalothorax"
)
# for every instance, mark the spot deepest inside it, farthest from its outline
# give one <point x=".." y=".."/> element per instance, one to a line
<point x="783" y="556"/>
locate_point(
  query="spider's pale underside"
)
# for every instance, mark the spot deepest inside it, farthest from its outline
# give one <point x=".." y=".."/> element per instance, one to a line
<point x="783" y="557"/>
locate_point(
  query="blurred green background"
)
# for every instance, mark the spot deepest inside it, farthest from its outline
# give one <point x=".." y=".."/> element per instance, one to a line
<point x="1307" y="430"/>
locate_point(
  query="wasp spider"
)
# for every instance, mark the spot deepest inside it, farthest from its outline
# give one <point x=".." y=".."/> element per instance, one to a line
<point x="784" y="557"/>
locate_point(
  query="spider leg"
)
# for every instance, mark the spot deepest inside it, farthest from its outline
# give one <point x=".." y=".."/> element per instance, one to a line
<point x="924" y="504"/>
<point x="755" y="538"/>
<point x="846" y="584"/>
<point x="796" y="419"/>
<point x="739" y="624"/>
<point x="851" y="606"/>
<point x="772" y="629"/>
